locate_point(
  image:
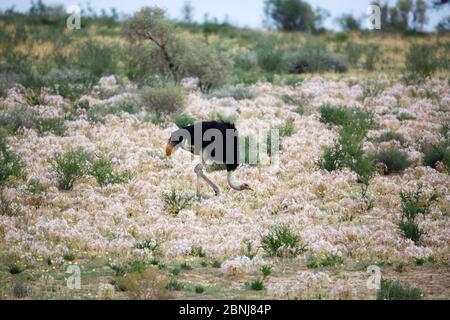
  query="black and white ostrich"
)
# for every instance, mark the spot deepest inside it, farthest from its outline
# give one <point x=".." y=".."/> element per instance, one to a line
<point x="212" y="140"/>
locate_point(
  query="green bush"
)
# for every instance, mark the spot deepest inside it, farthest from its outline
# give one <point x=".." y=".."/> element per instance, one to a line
<point x="199" y="289"/>
<point x="333" y="115"/>
<point x="184" y="120"/>
<point x="435" y="152"/>
<point x="394" y="160"/>
<point x="353" y="52"/>
<point x="421" y="60"/>
<point x="17" y="119"/>
<point x="10" y="164"/>
<point x="69" y="166"/>
<point x="164" y="100"/>
<point x="173" y="284"/>
<point x="256" y="285"/>
<point x="389" y="136"/>
<point x="102" y="170"/>
<point x="281" y="241"/>
<point x="331" y="260"/>
<point x="270" y="58"/>
<point x="413" y="204"/>
<point x="372" y="53"/>
<point x="156" y="119"/>
<point x="53" y="125"/>
<point x="266" y="270"/>
<point x="175" y="202"/>
<point x="96" y="58"/>
<point x="391" y="290"/>
<point x="238" y="92"/>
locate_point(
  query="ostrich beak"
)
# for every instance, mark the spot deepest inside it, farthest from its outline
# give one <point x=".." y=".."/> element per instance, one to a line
<point x="169" y="149"/>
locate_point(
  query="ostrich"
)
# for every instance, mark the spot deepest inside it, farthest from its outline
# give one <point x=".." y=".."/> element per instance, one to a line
<point x="213" y="140"/>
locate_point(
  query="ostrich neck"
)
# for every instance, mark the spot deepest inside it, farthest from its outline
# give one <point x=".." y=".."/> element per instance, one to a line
<point x="232" y="184"/>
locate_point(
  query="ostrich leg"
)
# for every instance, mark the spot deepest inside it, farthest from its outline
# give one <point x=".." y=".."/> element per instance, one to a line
<point x="199" y="172"/>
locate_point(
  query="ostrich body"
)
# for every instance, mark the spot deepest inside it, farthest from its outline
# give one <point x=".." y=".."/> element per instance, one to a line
<point x="212" y="140"/>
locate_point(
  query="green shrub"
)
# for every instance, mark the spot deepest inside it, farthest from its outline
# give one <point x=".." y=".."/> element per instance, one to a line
<point x="436" y="152"/>
<point x="312" y="262"/>
<point x="372" y="53"/>
<point x="149" y="244"/>
<point x="102" y="170"/>
<point x="245" y="61"/>
<point x="185" y="266"/>
<point x="69" y="256"/>
<point x="69" y="166"/>
<point x="270" y="58"/>
<point x="256" y="285"/>
<point x="331" y="260"/>
<point x="266" y="270"/>
<point x="238" y="92"/>
<point x="198" y="252"/>
<point x="96" y="58"/>
<point x="10" y="164"/>
<point x="6" y="207"/>
<point x="391" y="290"/>
<point x="184" y="120"/>
<point x="372" y="89"/>
<point x="281" y="241"/>
<point x="199" y="289"/>
<point x="136" y="266"/>
<point x="15" y="268"/>
<point x="19" y="118"/>
<point x="35" y="187"/>
<point x="53" y="125"/>
<point x="413" y="204"/>
<point x="156" y="119"/>
<point x="421" y="60"/>
<point x="353" y="52"/>
<point x="389" y="136"/>
<point x="164" y="100"/>
<point x="216" y="264"/>
<point x="333" y="115"/>
<point x="405" y="117"/>
<point x="175" y="271"/>
<point x="175" y="202"/>
<point x="173" y="284"/>
<point x="411" y="230"/>
<point x="394" y="160"/>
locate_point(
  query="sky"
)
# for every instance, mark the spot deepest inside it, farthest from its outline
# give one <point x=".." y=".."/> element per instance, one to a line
<point x="243" y="13"/>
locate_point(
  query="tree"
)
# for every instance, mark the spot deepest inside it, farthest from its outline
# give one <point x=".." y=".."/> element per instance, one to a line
<point x="349" y="23"/>
<point x="291" y="15"/>
<point x="187" y="12"/>
<point x="420" y="15"/>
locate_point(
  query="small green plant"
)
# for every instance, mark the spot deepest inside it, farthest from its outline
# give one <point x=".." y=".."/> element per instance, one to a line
<point x="15" y="268"/>
<point x="137" y="266"/>
<point x="331" y="260"/>
<point x="149" y="244"/>
<point x="35" y="187"/>
<point x="102" y="170"/>
<point x="281" y="241"/>
<point x="420" y="261"/>
<point x="175" y="202"/>
<point x="421" y="60"/>
<point x="249" y="250"/>
<point x="394" y="160"/>
<point x="166" y="99"/>
<point x="204" y="263"/>
<point x="119" y="269"/>
<point x="162" y="266"/>
<point x="69" y="256"/>
<point x="154" y="262"/>
<point x="199" y="289"/>
<point x="156" y="119"/>
<point x="185" y="266"/>
<point x="312" y="262"/>
<point x="372" y="89"/>
<point x="216" y="264"/>
<point x="390" y="136"/>
<point x="436" y="152"/>
<point x="53" y="125"/>
<point x="174" y="285"/>
<point x="69" y="166"/>
<point x="256" y="285"/>
<point x="184" y="120"/>
<point x="238" y="92"/>
<point x="391" y="290"/>
<point x="412" y="205"/>
<point x="175" y="271"/>
<point x="7" y="208"/>
<point x="266" y="270"/>
<point x="10" y="164"/>
<point x="405" y="116"/>
<point x="197" y="251"/>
